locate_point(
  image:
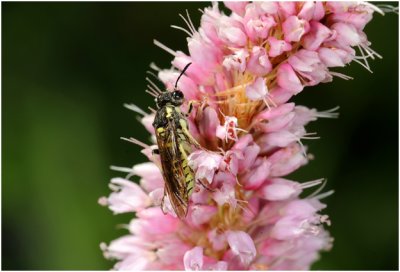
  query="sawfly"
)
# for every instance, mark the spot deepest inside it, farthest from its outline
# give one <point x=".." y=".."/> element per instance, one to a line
<point x="174" y="146"/>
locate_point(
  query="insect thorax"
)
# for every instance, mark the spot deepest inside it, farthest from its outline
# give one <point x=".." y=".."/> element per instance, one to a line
<point x="165" y="114"/>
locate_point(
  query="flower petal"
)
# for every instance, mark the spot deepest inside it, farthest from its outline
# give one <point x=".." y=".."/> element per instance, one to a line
<point x="193" y="259"/>
<point x="242" y="245"/>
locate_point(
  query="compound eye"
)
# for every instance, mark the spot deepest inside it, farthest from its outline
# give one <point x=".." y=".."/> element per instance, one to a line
<point x="177" y="95"/>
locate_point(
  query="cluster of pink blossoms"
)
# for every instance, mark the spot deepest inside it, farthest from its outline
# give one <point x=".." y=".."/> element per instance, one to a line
<point x="245" y="68"/>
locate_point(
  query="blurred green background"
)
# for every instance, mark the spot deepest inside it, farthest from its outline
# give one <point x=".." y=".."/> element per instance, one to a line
<point x="69" y="67"/>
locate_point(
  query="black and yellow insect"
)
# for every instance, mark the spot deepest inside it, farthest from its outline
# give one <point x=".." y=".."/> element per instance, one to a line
<point x="174" y="145"/>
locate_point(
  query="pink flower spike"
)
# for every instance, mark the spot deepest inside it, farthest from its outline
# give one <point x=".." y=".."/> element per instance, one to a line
<point x="193" y="259"/>
<point x="277" y="47"/>
<point x="247" y="62"/>
<point x="257" y="90"/>
<point x="287" y="79"/>
<point x="242" y="245"/>
<point x="294" y="28"/>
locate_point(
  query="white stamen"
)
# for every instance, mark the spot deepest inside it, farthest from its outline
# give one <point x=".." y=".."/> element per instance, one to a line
<point x="311" y="183"/>
<point x="375" y="8"/>
<point x="113" y="187"/>
<point x="324" y="195"/>
<point x="135" y="141"/>
<point x="320" y="188"/>
<point x="343" y="76"/>
<point x="121" y="169"/>
<point x="364" y="58"/>
<point x="155" y="67"/>
<point x="152" y="90"/>
<point x="167" y="49"/>
<point x="154" y="75"/>
<point x="152" y="110"/>
<point x="151" y="93"/>
<point x="328" y="113"/>
<point x="363" y="65"/>
<point x="190" y="21"/>
<point x="156" y="89"/>
<point x="388" y="8"/>
<point x="184" y="30"/>
<point x="192" y="29"/>
<point x="308" y="136"/>
<point x="303" y="149"/>
<point x="371" y="51"/>
<point x="123" y="226"/>
<point x="135" y="108"/>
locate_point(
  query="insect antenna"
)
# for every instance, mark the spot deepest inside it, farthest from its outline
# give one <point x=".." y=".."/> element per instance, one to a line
<point x="183" y="71"/>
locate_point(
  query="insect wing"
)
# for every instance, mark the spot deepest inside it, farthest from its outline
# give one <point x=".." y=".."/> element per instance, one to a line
<point x="175" y="187"/>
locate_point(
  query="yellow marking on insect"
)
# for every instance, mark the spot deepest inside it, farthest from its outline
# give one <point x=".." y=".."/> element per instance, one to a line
<point x="189" y="178"/>
<point x="183" y="124"/>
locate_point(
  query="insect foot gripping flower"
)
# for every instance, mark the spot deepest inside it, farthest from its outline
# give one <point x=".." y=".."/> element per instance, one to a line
<point x="214" y="195"/>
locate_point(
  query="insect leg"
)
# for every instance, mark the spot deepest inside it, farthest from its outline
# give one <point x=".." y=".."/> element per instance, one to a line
<point x="205" y="186"/>
<point x="190" y="108"/>
<point x="187" y="134"/>
<point x="163" y="209"/>
<point x="190" y="105"/>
